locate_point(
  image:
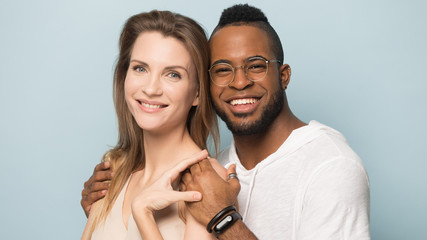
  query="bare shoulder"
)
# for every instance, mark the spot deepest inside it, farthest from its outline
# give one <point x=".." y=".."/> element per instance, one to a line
<point x="220" y="170"/>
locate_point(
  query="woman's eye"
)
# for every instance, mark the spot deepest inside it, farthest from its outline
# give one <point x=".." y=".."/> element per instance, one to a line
<point x="174" y="75"/>
<point x="139" y="69"/>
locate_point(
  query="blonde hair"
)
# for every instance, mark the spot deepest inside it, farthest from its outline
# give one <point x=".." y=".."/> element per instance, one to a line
<point x="128" y="155"/>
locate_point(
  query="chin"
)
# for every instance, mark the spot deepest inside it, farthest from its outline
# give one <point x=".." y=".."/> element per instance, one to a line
<point x="247" y="128"/>
<point x="147" y="126"/>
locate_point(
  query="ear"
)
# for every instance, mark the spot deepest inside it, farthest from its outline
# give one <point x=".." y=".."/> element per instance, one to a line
<point x="285" y="75"/>
<point x="196" y="99"/>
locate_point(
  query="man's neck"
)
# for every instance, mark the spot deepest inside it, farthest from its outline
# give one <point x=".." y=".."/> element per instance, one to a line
<point x="252" y="149"/>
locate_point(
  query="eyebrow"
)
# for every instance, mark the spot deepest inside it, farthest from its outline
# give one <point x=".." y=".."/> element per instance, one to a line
<point x="229" y="62"/>
<point x="221" y="61"/>
<point x="167" y="68"/>
<point x="177" y="66"/>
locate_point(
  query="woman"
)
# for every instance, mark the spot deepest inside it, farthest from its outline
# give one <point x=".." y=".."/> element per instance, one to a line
<point x="165" y="116"/>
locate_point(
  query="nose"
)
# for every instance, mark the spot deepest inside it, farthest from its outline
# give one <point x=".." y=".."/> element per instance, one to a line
<point x="152" y="85"/>
<point x="240" y="80"/>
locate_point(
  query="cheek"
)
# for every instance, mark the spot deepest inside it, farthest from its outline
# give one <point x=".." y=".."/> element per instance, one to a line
<point x="130" y="89"/>
<point x="274" y="85"/>
<point x="127" y="93"/>
<point x="182" y="94"/>
<point x="130" y="86"/>
<point x="215" y="93"/>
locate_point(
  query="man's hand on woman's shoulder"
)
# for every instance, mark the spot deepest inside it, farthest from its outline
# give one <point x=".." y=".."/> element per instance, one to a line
<point x="96" y="187"/>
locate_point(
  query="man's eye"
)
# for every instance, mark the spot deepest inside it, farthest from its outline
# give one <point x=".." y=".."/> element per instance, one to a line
<point x="257" y="67"/>
<point x="222" y="70"/>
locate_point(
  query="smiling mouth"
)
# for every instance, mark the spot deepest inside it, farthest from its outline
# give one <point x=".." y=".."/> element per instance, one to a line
<point x="152" y="106"/>
<point x="243" y="101"/>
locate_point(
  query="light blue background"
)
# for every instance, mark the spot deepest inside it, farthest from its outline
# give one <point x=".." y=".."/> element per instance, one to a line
<point x="358" y="66"/>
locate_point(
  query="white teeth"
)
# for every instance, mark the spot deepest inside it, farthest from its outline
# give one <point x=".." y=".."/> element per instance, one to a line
<point x="150" y="105"/>
<point x="242" y="101"/>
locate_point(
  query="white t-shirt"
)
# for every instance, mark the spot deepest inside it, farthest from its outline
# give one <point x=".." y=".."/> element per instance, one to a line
<point x="313" y="187"/>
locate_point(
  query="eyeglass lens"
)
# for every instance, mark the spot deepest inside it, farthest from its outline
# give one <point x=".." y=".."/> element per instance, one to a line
<point x="223" y="73"/>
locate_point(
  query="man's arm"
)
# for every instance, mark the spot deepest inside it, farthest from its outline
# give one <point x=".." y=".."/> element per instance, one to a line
<point x="96" y="187"/>
<point x="336" y="203"/>
<point x="237" y="231"/>
<point x="217" y="194"/>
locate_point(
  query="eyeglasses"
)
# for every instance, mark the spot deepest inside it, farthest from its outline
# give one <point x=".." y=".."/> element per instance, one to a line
<point x="254" y="68"/>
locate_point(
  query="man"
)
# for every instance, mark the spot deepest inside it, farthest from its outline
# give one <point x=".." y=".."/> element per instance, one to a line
<point x="298" y="181"/>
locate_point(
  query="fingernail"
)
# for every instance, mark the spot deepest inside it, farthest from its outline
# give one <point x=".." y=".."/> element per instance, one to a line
<point x="197" y="196"/>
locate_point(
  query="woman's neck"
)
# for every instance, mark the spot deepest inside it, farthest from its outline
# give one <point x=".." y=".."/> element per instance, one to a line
<point x="164" y="150"/>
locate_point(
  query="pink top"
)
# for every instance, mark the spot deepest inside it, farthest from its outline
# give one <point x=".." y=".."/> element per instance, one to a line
<point x="168" y="221"/>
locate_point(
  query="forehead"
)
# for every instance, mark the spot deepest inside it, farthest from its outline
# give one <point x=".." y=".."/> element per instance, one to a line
<point x="155" y="47"/>
<point x="236" y="43"/>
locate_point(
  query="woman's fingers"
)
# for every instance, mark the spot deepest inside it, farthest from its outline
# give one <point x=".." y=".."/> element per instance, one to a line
<point x="181" y="166"/>
<point x="161" y="193"/>
<point x="190" y="196"/>
<point x="160" y="200"/>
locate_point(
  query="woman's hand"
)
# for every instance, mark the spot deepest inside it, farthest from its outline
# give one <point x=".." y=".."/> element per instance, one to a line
<point x="161" y="194"/>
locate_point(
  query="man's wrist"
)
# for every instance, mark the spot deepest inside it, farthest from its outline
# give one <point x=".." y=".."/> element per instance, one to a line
<point x="226" y="222"/>
<point x="219" y="216"/>
<point x="238" y="231"/>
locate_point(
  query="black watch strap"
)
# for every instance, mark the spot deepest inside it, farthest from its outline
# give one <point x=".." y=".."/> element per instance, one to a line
<point x="226" y="222"/>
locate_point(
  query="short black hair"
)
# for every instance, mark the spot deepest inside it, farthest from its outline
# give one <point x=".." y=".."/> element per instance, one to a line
<point x="244" y="14"/>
